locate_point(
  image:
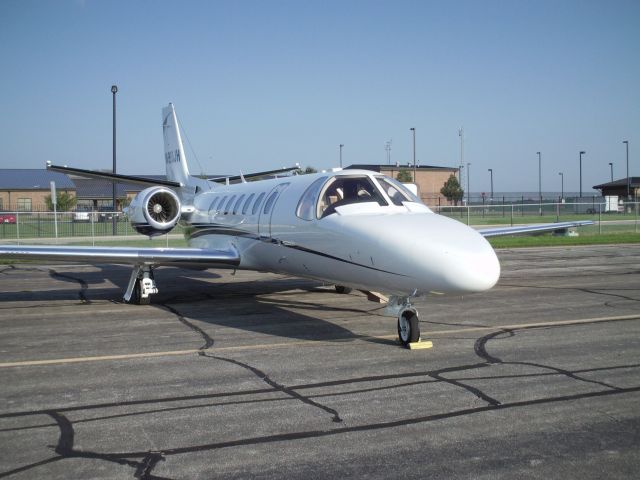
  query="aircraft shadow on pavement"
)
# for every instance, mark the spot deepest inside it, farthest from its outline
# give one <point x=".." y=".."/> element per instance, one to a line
<point x="256" y="306"/>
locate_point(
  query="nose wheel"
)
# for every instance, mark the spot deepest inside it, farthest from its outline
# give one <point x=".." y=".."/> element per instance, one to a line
<point x="408" y="326"/>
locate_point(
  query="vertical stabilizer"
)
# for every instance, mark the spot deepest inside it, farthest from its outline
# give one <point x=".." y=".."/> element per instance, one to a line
<point x="174" y="157"/>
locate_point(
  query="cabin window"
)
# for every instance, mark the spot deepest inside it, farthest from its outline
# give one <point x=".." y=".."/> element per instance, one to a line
<point x="269" y="203"/>
<point x="344" y="190"/>
<point x="213" y="205"/>
<point x="397" y="192"/>
<point x="237" y="205"/>
<point x="227" y="207"/>
<point x="221" y="204"/>
<point x="247" y="203"/>
<point x="256" y="206"/>
<point x="307" y="204"/>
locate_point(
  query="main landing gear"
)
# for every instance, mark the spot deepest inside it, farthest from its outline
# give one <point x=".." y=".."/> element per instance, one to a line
<point x="141" y="286"/>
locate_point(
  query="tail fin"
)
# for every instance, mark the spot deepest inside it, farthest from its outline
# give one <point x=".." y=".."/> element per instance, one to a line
<point x="176" y="161"/>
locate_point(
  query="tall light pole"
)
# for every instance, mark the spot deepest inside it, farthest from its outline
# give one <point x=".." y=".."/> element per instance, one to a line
<point x="582" y="152"/>
<point x="114" y="90"/>
<point x="468" y="188"/>
<point x="540" y="179"/>
<point x="611" y="166"/>
<point x="415" y="180"/>
<point x="341" y="145"/>
<point x="626" y="142"/>
<point x="491" y="172"/>
<point x="561" y="185"/>
<point x="461" y="135"/>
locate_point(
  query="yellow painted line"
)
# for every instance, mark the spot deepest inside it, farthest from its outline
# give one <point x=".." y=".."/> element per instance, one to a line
<point x="130" y="356"/>
<point x="96" y="359"/>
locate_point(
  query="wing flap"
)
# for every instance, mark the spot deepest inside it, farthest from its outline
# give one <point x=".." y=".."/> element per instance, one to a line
<point x="127" y="255"/>
<point x="523" y="229"/>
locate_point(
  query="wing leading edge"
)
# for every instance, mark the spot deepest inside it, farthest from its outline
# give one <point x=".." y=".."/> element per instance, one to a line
<point x="125" y="255"/>
<point x="545" y="227"/>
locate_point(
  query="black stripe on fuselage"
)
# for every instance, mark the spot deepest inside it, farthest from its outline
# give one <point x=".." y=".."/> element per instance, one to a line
<point x="212" y="229"/>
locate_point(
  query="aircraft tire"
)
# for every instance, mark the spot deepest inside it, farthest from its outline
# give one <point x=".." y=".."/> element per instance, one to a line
<point x="342" y="289"/>
<point x="137" y="294"/>
<point x="408" y="327"/>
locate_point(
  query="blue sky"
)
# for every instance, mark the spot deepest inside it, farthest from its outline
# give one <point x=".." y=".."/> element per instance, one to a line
<point x="262" y="84"/>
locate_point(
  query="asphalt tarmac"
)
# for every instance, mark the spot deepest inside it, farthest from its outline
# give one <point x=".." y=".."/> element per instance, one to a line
<point x="264" y="376"/>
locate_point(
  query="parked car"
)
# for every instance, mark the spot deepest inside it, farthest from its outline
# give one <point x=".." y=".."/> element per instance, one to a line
<point x="84" y="215"/>
<point x="7" y="218"/>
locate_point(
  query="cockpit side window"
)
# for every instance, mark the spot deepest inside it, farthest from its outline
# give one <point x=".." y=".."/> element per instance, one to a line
<point x="397" y="192"/>
<point x="307" y="205"/>
<point x="344" y="190"/>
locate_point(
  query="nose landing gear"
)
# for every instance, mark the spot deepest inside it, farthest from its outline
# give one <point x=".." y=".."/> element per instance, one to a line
<point x="408" y="319"/>
<point x="408" y="326"/>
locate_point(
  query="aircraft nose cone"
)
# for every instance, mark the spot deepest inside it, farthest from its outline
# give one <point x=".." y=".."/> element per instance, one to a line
<point x="469" y="263"/>
<point x="442" y="254"/>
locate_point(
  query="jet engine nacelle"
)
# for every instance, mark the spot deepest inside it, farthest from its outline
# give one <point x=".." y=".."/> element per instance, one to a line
<point x="154" y="211"/>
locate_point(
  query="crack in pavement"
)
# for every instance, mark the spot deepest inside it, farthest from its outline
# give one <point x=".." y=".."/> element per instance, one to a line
<point x="83" y="284"/>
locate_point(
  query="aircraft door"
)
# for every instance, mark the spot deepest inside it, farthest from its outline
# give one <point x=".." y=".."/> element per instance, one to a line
<point x="266" y="210"/>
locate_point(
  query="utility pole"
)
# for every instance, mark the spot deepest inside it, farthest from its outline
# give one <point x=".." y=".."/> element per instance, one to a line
<point x="561" y="185"/>
<point x="415" y="180"/>
<point x="341" y="145"/>
<point x="461" y="135"/>
<point x="540" y="179"/>
<point x="468" y="187"/>
<point x="114" y="90"/>
<point x="491" y="172"/>
<point x="626" y="142"/>
<point x="582" y="152"/>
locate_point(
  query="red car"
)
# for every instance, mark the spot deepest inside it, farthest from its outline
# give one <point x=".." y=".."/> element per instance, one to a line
<point x="7" y="218"/>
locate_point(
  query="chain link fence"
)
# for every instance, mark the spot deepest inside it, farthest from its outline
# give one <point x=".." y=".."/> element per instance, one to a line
<point x="92" y="226"/>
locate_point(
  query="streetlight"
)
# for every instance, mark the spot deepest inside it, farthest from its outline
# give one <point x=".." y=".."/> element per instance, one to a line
<point x="561" y="185"/>
<point x="114" y="90"/>
<point x="461" y="135"/>
<point x="626" y="142"/>
<point x="582" y="152"/>
<point x="611" y="165"/>
<point x="468" y="177"/>
<point x="540" y="179"/>
<point x="341" y="145"/>
<point x="414" y="155"/>
<point x="491" y="172"/>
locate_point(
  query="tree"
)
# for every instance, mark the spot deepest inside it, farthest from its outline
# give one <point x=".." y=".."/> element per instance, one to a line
<point x="65" y="201"/>
<point x="451" y="190"/>
<point x="404" y="176"/>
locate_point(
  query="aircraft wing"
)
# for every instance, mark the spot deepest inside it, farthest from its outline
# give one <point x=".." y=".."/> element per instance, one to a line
<point x="124" y="255"/>
<point x="545" y="227"/>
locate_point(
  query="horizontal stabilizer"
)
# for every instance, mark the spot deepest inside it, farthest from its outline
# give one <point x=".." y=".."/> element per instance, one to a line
<point x="254" y="175"/>
<point x="125" y="255"/>
<point x="523" y="229"/>
<point x="112" y="177"/>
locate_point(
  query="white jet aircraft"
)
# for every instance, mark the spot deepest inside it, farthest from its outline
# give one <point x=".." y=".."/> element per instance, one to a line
<point x="352" y="228"/>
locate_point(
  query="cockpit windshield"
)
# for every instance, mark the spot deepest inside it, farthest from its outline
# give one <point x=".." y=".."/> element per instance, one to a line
<point x="344" y="190"/>
<point x="326" y="194"/>
<point x="397" y="192"/>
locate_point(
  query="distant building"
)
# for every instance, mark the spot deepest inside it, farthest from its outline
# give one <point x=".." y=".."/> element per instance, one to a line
<point x="619" y="188"/>
<point x="430" y="179"/>
<point x="25" y="189"/>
